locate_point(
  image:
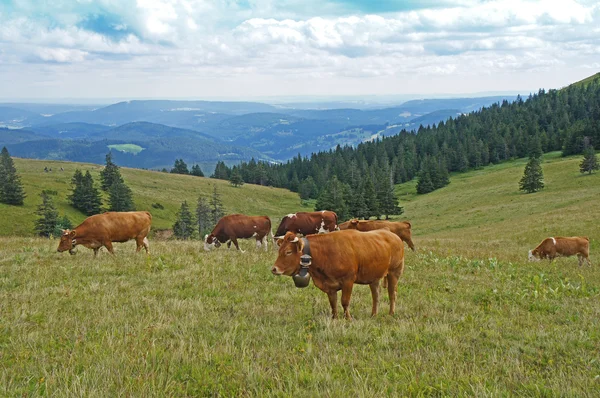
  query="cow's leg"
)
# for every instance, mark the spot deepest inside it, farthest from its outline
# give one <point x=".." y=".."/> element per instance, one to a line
<point x="228" y="244"/>
<point x="109" y="247"/>
<point x="96" y="251"/>
<point x="258" y="243"/>
<point x="392" y="288"/>
<point x="333" y="303"/>
<point x="235" y="242"/>
<point x="265" y="242"/>
<point x="375" y="295"/>
<point x="346" y="294"/>
<point x="139" y="243"/>
<point x="146" y="245"/>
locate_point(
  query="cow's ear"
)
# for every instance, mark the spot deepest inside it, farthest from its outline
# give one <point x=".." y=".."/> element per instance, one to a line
<point x="72" y="234"/>
<point x="279" y="240"/>
<point x="354" y="221"/>
<point x="300" y="245"/>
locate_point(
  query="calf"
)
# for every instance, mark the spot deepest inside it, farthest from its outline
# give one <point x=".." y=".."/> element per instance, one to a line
<point x="103" y="229"/>
<point x="551" y="248"/>
<point x="339" y="260"/>
<point x="239" y="226"/>
<point x="400" y="228"/>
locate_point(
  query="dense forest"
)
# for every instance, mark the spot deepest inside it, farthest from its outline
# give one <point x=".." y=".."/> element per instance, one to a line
<point x="566" y="119"/>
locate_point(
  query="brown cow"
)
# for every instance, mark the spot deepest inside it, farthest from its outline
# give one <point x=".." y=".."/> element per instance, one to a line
<point x="400" y="228"/>
<point x="342" y="259"/>
<point x="239" y="226"/>
<point x="559" y="246"/>
<point x="307" y="223"/>
<point x="103" y="229"/>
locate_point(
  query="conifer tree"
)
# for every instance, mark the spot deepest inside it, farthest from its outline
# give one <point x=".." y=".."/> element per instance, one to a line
<point x="120" y="197"/>
<point x="45" y="225"/>
<point x="77" y="192"/>
<point x="357" y="206"/>
<point x="424" y="183"/>
<point x="196" y="171"/>
<point x="11" y="189"/>
<point x="222" y="172"/>
<point x="109" y="174"/>
<point x="216" y="206"/>
<point x="372" y="207"/>
<point x="62" y="224"/>
<point x="203" y="216"/>
<point x="236" y="178"/>
<point x="333" y="198"/>
<point x="533" y="176"/>
<point x="308" y="189"/>
<point x="180" y="167"/>
<point x="590" y="161"/>
<point x="85" y="196"/>
<point x="185" y="225"/>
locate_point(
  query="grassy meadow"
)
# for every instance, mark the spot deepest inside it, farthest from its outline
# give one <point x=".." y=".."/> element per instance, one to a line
<point x="148" y="187"/>
<point x="473" y="316"/>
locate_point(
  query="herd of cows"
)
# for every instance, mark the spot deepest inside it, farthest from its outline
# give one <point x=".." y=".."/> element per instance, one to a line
<point x="357" y="252"/>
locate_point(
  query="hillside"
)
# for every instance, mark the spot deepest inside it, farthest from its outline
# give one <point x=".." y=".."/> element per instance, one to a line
<point x="148" y="187"/>
<point x="482" y="214"/>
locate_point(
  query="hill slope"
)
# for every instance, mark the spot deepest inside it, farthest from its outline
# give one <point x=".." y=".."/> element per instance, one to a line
<point x="484" y="210"/>
<point x="148" y="187"/>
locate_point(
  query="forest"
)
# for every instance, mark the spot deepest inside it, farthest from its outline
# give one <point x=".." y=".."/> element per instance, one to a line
<point x="566" y="120"/>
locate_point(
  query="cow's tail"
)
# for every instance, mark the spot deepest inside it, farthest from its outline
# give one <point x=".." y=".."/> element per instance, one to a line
<point x="272" y="239"/>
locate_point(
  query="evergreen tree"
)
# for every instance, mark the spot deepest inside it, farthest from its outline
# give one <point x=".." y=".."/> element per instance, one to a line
<point x="357" y="204"/>
<point x="424" y="183"/>
<point x="84" y="196"/>
<point x="294" y="183"/>
<point x="533" y="177"/>
<point x="109" y="174"/>
<point x="236" y="178"/>
<point x="333" y="197"/>
<point x="590" y="161"/>
<point x="308" y="189"/>
<point x="45" y="225"/>
<point x="222" y="172"/>
<point x="11" y="189"/>
<point x="372" y="207"/>
<point x="62" y="224"/>
<point x="216" y="206"/>
<point x="120" y="197"/>
<point x="180" y="167"/>
<point x="203" y="216"/>
<point x="196" y="171"/>
<point x="185" y="225"/>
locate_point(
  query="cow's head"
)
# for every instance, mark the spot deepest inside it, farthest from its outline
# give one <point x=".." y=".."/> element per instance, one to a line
<point x="211" y="241"/>
<point x="353" y="224"/>
<point x="534" y="255"/>
<point x="288" y="259"/>
<point x="66" y="241"/>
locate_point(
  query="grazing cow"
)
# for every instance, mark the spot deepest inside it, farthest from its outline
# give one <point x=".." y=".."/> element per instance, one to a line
<point x="103" y="229"/>
<point x="339" y="260"/>
<point x="400" y="228"/>
<point x="551" y="248"/>
<point x="239" y="226"/>
<point x="307" y="223"/>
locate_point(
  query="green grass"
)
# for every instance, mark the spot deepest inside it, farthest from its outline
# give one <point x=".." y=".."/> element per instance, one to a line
<point x="130" y="148"/>
<point x="473" y="317"/>
<point x="148" y="187"/>
<point x="587" y="80"/>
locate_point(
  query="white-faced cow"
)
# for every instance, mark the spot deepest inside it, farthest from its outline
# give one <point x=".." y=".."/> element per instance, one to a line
<point x="103" y="229"/>
<point x="338" y="261"/>
<point x="307" y="223"/>
<point x="559" y="246"/>
<point x="400" y="228"/>
<point x="239" y="226"/>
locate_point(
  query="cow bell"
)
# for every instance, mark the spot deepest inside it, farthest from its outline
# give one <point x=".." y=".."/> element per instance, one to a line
<point x="302" y="278"/>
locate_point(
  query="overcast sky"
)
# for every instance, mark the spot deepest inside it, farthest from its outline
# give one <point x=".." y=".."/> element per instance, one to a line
<point x="242" y="49"/>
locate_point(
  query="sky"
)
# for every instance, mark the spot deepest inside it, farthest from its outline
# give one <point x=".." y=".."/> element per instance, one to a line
<point x="245" y="49"/>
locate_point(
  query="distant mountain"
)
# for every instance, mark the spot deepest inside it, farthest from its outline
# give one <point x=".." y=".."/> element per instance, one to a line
<point x="15" y="136"/>
<point x="139" y="144"/>
<point x="74" y="130"/>
<point x="16" y="118"/>
<point x="434" y="117"/>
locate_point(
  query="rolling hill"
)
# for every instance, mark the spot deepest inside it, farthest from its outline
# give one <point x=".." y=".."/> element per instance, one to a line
<point x="148" y="187"/>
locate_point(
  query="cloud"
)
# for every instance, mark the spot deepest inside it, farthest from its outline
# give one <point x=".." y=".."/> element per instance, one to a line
<point x="322" y="40"/>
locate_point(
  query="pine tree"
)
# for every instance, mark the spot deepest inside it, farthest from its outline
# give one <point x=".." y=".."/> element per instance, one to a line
<point x="533" y="177"/>
<point x="196" y="171"/>
<point x="370" y="198"/>
<point x="333" y="197"/>
<point x="84" y="196"/>
<point x="45" y="225"/>
<point x="216" y="206"/>
<point x="308" y="189"/>
<point x="203" y="216"/>
<point x="180" y="167"/>
<point x="185" y="225"/>
<point x="11" y="189"/>
<point x="62" y="224"/>
<point x="590" y="161"/>
<point x="120" y="197"/>
<point x="222" y="172"/>
<point x="424" y="183"/>
<point x="236" y="178"/>
<point x="109" y="174"/>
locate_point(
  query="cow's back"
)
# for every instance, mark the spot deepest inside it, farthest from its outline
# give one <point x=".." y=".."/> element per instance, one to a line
<point x="116" y="226"/>
<point x="243" y="226"/>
